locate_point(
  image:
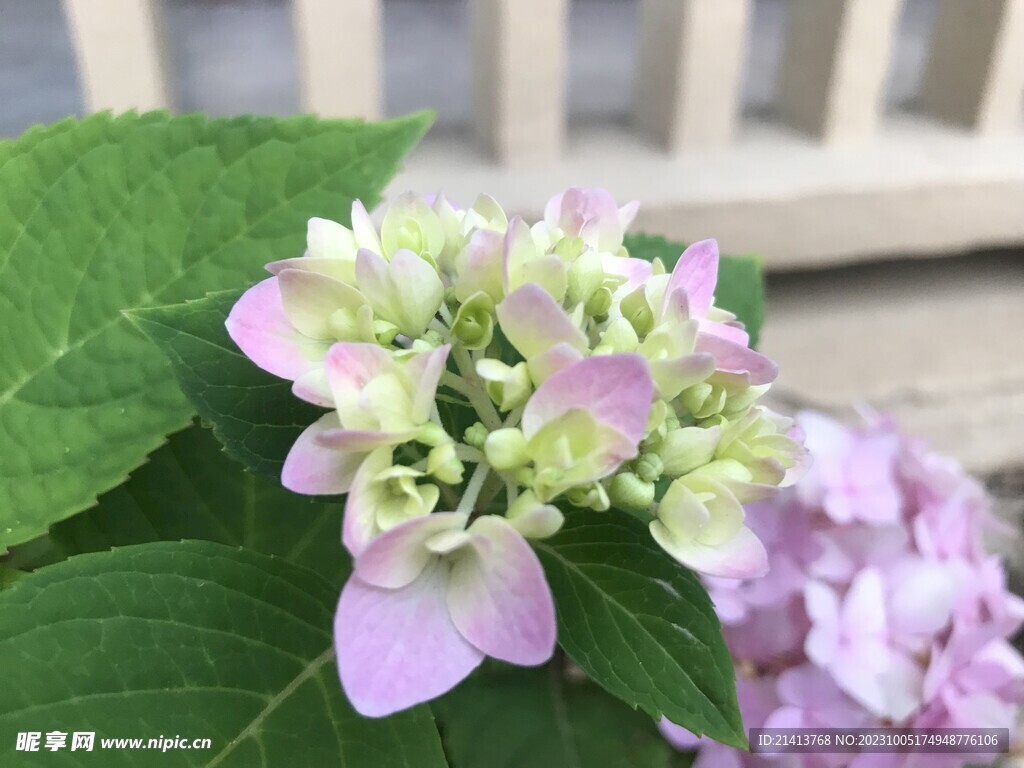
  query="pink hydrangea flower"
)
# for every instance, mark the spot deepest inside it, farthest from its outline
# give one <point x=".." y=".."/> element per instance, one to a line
<point x="880" y="608"/>
<point x="586" y="374"/>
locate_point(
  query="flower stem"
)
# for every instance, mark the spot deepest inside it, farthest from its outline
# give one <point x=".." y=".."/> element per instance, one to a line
<point x="472" y="493"/>
<point x="475" y="389"/>
<point x="469" y="453"/>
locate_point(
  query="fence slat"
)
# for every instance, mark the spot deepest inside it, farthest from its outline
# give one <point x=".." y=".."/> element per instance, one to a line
<point x="120" y="50"/>
<point x="835" y="65"/>
<point x="691" y="62"/>
<point x="519" y="59"/>
<point x="338" y="43"/>
<point x="975" y="73"/>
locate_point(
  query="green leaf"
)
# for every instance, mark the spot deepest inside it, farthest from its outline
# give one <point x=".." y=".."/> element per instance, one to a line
<point x="190" y="490"/>
<point x="740" y="280"/>
<point x="113" y="213"/>
<point x="190" y="639"/>
<point x="641" y="625"/>
<point x="537" y="719"/>
<point x="253" y="413"/>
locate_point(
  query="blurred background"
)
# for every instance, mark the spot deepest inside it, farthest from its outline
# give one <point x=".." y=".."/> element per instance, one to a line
<point x="872" y="151"/>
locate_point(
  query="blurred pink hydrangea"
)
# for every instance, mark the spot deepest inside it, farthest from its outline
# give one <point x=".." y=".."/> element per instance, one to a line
<point x="881" y="607"/>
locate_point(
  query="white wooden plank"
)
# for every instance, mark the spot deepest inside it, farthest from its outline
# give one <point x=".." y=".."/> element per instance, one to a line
<point x="121" y="54"/>
<point x="975" y="73"/>
<point x="835" y="65"/>
<point x="519" y="60"/>
<point x="691" y="63"/>
<point x="339" y="50"/>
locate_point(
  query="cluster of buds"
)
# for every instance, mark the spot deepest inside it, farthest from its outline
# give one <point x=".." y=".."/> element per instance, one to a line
<point x="568" y="372"/>
<point x="882" y="607"/>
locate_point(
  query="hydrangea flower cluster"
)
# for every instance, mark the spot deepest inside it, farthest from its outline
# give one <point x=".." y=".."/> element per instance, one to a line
<point x="578" y="376"/>
<point x="881" y="607"/>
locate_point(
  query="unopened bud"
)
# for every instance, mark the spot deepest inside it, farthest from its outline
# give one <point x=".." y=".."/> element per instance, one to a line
<point x="592" y="496"/>
<point x="684" y="450"/>
<point x="508" y="386"/>
<point x="630" y="492"/>
<point x="475" y="435"/>
<point x="703" y="400"/>
<point x="638" y="312"/>
<point x="599" y="303"/>
<point x="433" y="434"/>
<point x="649" y="467"/>
<point x="443" y="464"/>
<point x="585" y="276"/>
<point x="506" y="449"/>
<point x="474" y="323"/>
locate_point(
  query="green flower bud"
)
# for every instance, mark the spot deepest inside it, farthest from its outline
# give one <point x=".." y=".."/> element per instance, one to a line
<point x="599" y="303"/>
<point x="474" y="322"/>
<point x="638" y="312"/>
<point x="703" y="400"/>
<point x="384" y="332"/>
<point x="649" y="467"/>
<point x="586" y="274"/>
<point x="568" y="248"/>
<point x="433" y="339"/>
<point x="508" y="386"/>
<point x="630" y="492"/>
<point x="684" y="450"/>
<point x="433" y="434"/>
<point x="592" y="496"/>
<point x="506" y="449"/>
<point x="443" y="464"/>
<point x="620" y="336"/>
<point x="412" y="225"/>
<point x="475" y="435"/>
<point x="739" y="403"/>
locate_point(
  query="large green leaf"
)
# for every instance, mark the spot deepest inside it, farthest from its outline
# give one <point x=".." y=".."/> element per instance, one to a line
<point x="253" y="413"/>
<point x="537" y="719"/>
<point x="740" y="280"/>
<point x="190" y="639"/>
<point x="106" y="214"/>
<point x="641" y="625"/>
<point x="190" y="490"/>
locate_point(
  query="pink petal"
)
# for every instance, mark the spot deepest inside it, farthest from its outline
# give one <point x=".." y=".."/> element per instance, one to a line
<point x="258" y="325"/>
<point x="312" y="469"/>
<point x="499" y="598"/>
<point x="361" y="441"/>
<point x="627" y="214"/>
<point x="396" y="557"/>
<point x="863" y="611"/>
<point x="351" y="366"/>
<point x="615" y="389"/>
<point x="734" y="358"/>
<point x="483" y="267"/>
<point x="552" y="360"/>
<point x="397" y="648"/>
<point x="733" y="333"/>
<point x="635" y="271"/>
<point x="533" y="321"/>
<point x="696" y="273"/>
